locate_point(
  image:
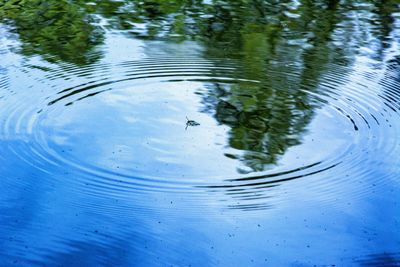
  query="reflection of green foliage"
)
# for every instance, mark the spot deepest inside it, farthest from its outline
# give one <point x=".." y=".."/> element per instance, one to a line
<point x="55" y="29"/>
<point x="266" y="38"/>
<point x="268" y="118"/>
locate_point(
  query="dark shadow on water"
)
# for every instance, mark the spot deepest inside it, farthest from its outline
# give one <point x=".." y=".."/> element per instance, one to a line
<point x="381" y="260"/>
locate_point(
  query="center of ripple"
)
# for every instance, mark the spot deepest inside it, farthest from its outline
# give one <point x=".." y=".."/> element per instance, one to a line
<point x="138" y="131"/>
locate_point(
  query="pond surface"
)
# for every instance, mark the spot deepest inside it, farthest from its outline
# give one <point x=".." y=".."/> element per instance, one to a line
<point x="199" y="133"/>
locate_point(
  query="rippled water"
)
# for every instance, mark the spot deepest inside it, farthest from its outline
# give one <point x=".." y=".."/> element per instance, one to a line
<point x="199" y="133"/>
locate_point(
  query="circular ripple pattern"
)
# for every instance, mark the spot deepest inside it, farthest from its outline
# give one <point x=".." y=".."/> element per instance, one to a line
<point x="122" y="128"/>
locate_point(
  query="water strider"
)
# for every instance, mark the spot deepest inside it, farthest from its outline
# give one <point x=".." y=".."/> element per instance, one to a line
<point x="191" y="123"/>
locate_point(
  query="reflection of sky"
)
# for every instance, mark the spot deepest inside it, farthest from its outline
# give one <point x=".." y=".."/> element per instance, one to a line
<point x="59" y="218"/>
<point x="53" y="218"/>
<point x="142" y="129"/>
<point x="119" y="48"/>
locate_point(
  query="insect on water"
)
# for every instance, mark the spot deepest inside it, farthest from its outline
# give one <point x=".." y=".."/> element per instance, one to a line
<point x="191" y="123"/>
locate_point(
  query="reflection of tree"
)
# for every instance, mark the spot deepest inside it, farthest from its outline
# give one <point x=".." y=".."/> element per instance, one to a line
<point x="268" y="118"/>
<point x="384" y="10"/>
<point x="284" y="45"/>
<point x="56" y="29"/>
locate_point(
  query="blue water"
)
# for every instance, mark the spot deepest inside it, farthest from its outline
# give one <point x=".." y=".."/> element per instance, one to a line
<point x="289" y="157"/>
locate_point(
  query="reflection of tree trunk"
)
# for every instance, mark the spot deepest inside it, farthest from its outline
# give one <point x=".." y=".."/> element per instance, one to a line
<point x="332" y="4"/>
<point x="384" y="9"/>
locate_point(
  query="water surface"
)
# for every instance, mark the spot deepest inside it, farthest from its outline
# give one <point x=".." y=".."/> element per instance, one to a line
<point x="293" y="159"/>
